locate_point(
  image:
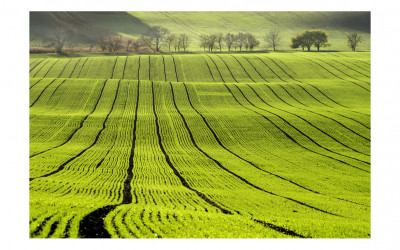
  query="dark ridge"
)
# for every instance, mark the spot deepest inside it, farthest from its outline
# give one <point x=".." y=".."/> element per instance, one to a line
<point x="74" y="67"/>
<point x="336" y="75"/>
<point x="176" y="172"/>
<point x="35" y="83"/>
<point x="50" y="68"/>
<point x="35" y="65"/>
<point x="80" y="125"/>
<point x="279" y="229"/>
<point x="61" y="167"/>
<point x="64" y="68"/>
<point x="227" y="67"/>
<point x="254" y="68"/>
<point x="123" y="72"/>
<point x="176" y="73"/>
<point x="291" y="138"/>
<point x="40" y="69"/>
<point x="92" y="225"/>
<point x="127" y="191"/>
<point x="301" y="131"/>
<point x="243" y="68"/>
<point x="238" y="176"/>
<point x="42" y="92"/>
<point x="83" y="65"/>
<point x="115" y="63"/>
<point x="165" y="74"/>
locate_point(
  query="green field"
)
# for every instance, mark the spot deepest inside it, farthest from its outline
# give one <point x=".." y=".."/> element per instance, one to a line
<point x="267" y="145"/>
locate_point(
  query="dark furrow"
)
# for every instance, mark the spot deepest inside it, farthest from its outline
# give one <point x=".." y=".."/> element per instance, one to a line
<point x="67" y="228"/>
<point x="279" y="229"/>
<point x="55" y="90"/>
<point x="115" y="63"/>
<point x="342" y="71"/>
<point x="227" y="67"/>
<point x="33" y="62"/>
<point x="127" y="227"/>
<point x="315" y="89"/>
<point x="42" y="92"/>
<point x="74" y="67"/>
<point x="209" y="69"/>
<point x="40" y="227"/>
<point x="176" y="172"/>
<point x="291" y="138"/>
<point x="308" y="122"/>
<point x="80" y="125"/>
<point x="243" y="68"/>
<point x="149" y="68"/>
<point x="127" y="191"/>
<point x="36" y="66"/>
<point x="220" y="143"/>
<point x="35" y="83"/>
<point x="176" y="73"/>
<point x="61" y="167"/>
<point x="83" y="65"/>
<point x="114" y="225"/>
<point x="271" y="69"/>
<point x="215" y="67"/>
<point x="234" y="174"/>
<point x="40" y="69"/>
<point x="50" y="68"/>
<point x="255" y="69"/>
<point x="292" y="96"/>
<point x="341" y="124"/>
<point x="123" y="72"/>
<point x="368" y="70"/>
<point x="335" y="74"/>
<point x="64" y="68"/>
<point x="52" y="229"/>
<point x="92" y="225"/>
<point x="165" y="74"/>
<point x="351" y="68"/>
<point x="144" y="224"/>
<point x="138" y="71"/>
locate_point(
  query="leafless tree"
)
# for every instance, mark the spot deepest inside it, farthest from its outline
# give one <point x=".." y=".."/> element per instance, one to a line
<point x="136" y="45"/>
<point x="353" y="39"/>
<point x="128" y="43"/>
<point x="273" y="39"/>
<point x="204" y="41"/>
<point x="219" y="38"/>
<point x="240" y="39"/>
<point x="157" y="34"/>
<point x="58" y="38"/>
<point x="147" y="40"/>
<point x="169" y="40"/>
<point x="229" y="40"/>
<point x="250" y="42"/>
<point x="185" y="41"/>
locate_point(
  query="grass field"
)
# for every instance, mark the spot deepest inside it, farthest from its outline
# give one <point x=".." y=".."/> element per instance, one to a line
<point x="267" y="145"/>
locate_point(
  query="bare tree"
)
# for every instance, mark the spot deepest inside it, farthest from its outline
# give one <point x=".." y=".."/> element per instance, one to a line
<point x="157" y="34"/>
<point x="353" y="39"/>
<point x="229" y="39"/>
<point x="58" y="38"/>
<point x="204" y="41"/>
<point x="136" y="45"/>
<point x="185" y="41"/>
<point x="250" y="42"/>
<point x="102" y="44"/>
<point x="241" y="39"/>
<point x="128" y="43"/>
<point x="147" y="41"/>
<point x="211" y="39"/>
<point x="273" y="39"/>
<point x="169" y="40"/>
<point x="219" y="39"/>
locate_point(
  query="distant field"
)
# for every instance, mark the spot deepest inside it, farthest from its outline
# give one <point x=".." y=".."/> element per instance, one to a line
<point x="195" y="23"/>
<point x="200" y="145"/>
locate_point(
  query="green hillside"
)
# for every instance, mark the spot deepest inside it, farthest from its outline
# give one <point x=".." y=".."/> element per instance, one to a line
<point x="134" y="24"/>
<point x="266" y="145"/>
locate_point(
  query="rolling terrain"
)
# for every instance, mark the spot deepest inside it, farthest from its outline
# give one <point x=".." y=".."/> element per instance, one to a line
<point x="267" y="145"/>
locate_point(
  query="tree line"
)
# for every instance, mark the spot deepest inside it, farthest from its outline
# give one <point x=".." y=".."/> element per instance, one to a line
<point x="158" y="36"/>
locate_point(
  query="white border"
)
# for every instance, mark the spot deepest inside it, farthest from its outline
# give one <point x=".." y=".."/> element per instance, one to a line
<point x="14" y="132"/>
